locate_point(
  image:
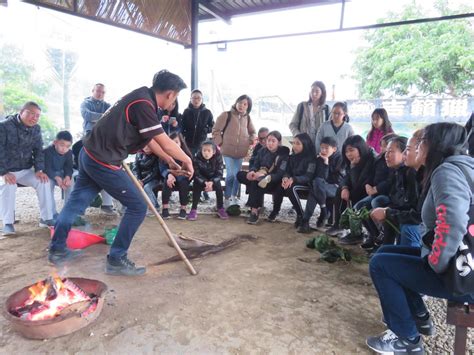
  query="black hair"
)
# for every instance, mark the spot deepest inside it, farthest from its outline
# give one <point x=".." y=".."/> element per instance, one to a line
<point x="322" y="99"/>
<point x="263" y="129"/>
<point x="308" y="145"/>
<point x="184" y="146"/>
<point x="343" y="106"/>
<point x="64" y="136"/>
<point x="98" y="84"/>
<point x="208" y="142"/>
<point x="275" y="134"/>
<point x="388" y="137"/>
<point x="241" y="98"/>
<point x="386" y="126"/>
<point x="401" y="142"/>
<point x="358" y="143"/>
<point x="30" y="104"/>
<point x="196" y="91"/>
<point x="165" y="80"/>
<point x="329" y="141"/>
<point x="442" y="140"/>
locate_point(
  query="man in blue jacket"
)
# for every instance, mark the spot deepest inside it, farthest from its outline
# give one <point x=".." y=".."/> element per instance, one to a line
<point x="22" y="161"/>
<point x="92" y="108"/>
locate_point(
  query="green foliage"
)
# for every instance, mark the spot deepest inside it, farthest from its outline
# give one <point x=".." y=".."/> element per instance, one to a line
<point x="19" y="87"/>
<point x="329" y="250"/>
<point x="431" y="58"/>
<point x="352" y="219"/>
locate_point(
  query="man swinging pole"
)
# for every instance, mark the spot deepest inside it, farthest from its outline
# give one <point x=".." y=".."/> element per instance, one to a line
<point x="125" y="128"/>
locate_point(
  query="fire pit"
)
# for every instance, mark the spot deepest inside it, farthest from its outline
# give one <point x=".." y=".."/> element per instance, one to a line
<point x="55" y="307"/>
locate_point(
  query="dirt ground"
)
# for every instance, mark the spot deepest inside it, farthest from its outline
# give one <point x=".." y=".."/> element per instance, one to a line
<point x="268" y="296"/>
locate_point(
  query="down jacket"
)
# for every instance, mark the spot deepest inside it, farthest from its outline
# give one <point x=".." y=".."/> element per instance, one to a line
<point x="196" y="123"/>
<point x="208" y="170"/>
<point x="274" y="163"/>
<point x="238" y="136"/>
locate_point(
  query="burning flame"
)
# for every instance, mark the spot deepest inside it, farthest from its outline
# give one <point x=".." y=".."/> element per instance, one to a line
<point x="49" y="297"/>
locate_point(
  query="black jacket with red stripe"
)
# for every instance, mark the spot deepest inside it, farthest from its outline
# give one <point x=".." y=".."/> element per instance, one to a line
<point x="125" y="128"/>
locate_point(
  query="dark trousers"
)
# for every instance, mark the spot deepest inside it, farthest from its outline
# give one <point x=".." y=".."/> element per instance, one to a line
<point x="292" y="194"/>
<point x="320" y="191"/>
<point x="94" y="177"/>
<point x="256" y="193"/>
<point x="181" y="185"/>
<point x="400" y="275"/>
<point x="198" y="188"/>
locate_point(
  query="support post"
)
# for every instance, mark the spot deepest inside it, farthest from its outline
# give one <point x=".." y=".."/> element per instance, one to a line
<point x="194" y="43"/>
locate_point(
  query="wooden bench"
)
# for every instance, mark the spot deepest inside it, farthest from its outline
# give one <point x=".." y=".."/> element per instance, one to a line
<point x="462" y="317"/>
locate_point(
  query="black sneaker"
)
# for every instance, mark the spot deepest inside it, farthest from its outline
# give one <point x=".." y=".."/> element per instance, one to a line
<point x="368" y="244"/>
<point x="425" y="325"/>
<point x="61" y="257"/>
<point x="272" y="217"/>
<point x="304" y="227"/>
<point x="123" y="266"/>
<point x="182" y="214"/>
<point x="165" y="213"/>
<point x="298" y="221"/>
<point x="350" y="239"/>
<point x="389" y="343"/>
<point x="334" y="231"/>
<point x="253" y="218"/>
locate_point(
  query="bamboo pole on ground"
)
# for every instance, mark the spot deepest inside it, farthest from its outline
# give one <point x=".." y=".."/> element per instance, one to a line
<point x="160" y="219"/>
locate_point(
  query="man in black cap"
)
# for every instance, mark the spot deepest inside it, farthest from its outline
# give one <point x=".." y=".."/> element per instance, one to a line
<point x="125" y="128"/>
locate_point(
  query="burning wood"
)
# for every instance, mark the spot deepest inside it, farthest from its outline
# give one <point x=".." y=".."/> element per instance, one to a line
<point x="51" y="296"/>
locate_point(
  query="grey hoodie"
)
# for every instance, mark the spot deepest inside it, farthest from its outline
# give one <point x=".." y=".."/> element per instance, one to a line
<point x="446" y="208"/>
<point x="91" y="111"/>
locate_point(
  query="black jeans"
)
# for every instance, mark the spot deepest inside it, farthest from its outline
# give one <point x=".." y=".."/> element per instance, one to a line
<point x="198" y="188"/>
<point x="292" y="194"/>
<point x="256" y="193"/>
<point x="181" y="185"/>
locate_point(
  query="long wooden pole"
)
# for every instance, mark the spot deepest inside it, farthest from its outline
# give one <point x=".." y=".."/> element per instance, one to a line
<point x="160" y="219"/>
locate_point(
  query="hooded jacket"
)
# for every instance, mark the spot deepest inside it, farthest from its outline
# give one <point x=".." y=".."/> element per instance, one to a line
<point x="208" y="170"/>
<point x="238" y="136"/>
<point x="21" y="147"/>
<point x="275" y="163"/>
<point x="196" y="123"/>
<point x="446" y="207"/>
<point x="91" y="111"/>
<point x="301" y="168"/>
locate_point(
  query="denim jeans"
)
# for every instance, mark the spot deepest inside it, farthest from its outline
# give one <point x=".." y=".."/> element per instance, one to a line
<point x="371" y="202"/>
<point x="410" y="235"/>
<point x="92" y="178"/>
<point x="400" y="275"/>
<point x="232" y="167"/>
<point x="149" y="187"/>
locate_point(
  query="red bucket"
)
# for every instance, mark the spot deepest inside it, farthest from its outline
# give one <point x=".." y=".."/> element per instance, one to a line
<point x="78" y="239"/>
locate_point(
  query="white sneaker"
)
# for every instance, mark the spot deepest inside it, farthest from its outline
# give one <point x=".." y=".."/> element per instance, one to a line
<point x="227" y="202"/>
<point x="234" y="201"/>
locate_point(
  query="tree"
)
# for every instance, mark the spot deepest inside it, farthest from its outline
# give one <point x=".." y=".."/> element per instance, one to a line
<point x="63" y="64"/>
<point x="17" y="86"/>
<point x="428" y="58"/>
